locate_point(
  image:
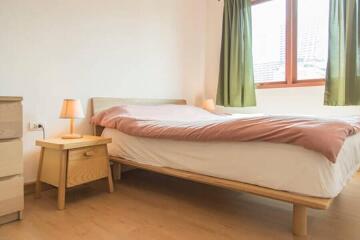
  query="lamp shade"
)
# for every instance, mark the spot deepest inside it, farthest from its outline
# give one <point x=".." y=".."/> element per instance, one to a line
<point x="71" y="108"/>
<point x="209" y="105"/>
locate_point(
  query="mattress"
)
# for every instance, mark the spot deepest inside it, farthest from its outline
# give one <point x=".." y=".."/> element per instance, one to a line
<point x="273" y="165"/>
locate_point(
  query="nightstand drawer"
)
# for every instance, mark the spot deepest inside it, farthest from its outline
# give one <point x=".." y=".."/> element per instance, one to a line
<point x="86" y="165"/>
<point x="10" y="157"/>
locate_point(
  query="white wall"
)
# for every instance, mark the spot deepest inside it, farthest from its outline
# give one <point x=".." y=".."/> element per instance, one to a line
<point x="50" y="50"/>
<point x="306" y="100"/>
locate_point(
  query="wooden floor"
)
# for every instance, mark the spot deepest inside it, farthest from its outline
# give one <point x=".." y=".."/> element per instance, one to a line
<point x="151" y="206"/>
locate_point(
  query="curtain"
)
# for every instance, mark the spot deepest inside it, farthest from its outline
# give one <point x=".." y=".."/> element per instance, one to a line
<point x="236" y="86"/>
<point x="343" y="69"/>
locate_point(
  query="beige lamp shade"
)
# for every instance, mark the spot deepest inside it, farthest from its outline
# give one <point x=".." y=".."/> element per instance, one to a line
<point x="71" y="108"/>
<point x="209" y="105"/>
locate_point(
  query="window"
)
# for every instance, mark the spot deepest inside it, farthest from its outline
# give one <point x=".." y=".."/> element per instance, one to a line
<point x="290" y="42"/>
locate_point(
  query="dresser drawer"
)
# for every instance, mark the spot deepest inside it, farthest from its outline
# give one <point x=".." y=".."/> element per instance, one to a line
<point x="10" y="157"/>
<point x="87" y="164"/>
<point x="10" y="119"/>
<point x="12" y="194"/>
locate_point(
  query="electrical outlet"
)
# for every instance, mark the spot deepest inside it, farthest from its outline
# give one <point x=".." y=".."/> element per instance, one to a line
<point x="35" y="126"/>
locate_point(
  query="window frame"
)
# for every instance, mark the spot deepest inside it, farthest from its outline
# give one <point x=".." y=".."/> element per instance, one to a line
<point x="290" y="52"/>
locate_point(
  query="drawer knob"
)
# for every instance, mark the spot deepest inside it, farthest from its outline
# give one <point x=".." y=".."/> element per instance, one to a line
<point x="89" y="153"/>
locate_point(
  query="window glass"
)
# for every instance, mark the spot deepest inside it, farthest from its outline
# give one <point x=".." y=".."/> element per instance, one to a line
<point x="313" y="18"/>
<point x="269" y="41"/>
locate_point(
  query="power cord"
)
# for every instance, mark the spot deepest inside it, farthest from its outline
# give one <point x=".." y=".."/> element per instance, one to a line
<point x="43" y="130"/>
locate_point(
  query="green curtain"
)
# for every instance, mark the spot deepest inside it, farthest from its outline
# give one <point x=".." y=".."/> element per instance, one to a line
<point x="343" y="69"/>
<point x="236" y="86"/>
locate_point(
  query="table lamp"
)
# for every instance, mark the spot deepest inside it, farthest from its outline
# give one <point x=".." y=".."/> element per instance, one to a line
<point x="209" y="105"/>
<point x="71" y="109"/>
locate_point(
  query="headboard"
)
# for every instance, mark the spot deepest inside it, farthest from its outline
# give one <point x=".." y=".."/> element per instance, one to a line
<point x="101" y="103"/>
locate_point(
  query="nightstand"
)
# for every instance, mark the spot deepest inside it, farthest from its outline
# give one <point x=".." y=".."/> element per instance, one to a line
<point x="65" y="163"/>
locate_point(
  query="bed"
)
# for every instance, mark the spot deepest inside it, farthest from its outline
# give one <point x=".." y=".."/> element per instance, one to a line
<point x="310" y="183"/>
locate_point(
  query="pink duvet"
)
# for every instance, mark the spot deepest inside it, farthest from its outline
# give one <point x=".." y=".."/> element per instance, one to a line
<point x="188" y="123"/>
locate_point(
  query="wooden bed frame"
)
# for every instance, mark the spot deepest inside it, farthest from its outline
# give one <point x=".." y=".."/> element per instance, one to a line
<point x="300" y="202"/>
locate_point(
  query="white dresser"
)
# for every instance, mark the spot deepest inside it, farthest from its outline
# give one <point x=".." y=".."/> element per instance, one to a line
<point x="11" y="166"/>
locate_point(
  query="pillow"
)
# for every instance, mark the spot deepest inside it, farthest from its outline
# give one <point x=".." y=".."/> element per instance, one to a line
<point x="165" y="112"/>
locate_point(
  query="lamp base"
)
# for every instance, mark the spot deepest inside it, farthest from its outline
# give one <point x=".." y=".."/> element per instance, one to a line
<point x="72" y="136"/>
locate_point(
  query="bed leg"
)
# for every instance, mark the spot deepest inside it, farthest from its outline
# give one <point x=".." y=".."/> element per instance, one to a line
<point x="299" y="220"/>
<point x="117" y="171"/>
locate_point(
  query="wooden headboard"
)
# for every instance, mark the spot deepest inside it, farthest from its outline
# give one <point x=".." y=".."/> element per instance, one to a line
<point x="101" y="103"/>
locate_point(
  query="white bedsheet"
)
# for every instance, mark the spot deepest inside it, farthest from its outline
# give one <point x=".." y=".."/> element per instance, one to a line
<point x="277" y="166"/>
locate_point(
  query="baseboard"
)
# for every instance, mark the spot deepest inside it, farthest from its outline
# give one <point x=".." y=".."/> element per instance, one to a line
<point x="10" y="217"/>
<point x="29" y="188"/>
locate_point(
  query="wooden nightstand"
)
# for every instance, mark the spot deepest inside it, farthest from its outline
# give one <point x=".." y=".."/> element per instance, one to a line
<point x="66" y="163"/>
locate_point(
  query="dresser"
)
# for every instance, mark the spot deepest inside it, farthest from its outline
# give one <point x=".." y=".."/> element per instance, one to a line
<point x="11" y="166"/>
